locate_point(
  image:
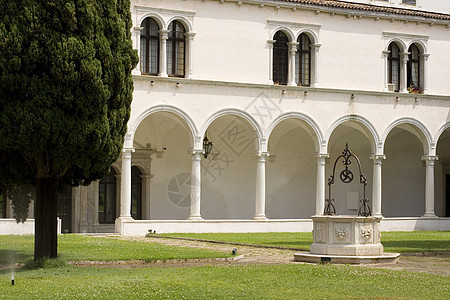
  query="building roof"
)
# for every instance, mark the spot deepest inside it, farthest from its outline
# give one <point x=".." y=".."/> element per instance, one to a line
<point x="370" y="8"/>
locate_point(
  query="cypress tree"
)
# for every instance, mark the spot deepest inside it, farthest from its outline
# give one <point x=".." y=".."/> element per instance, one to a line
<point x="65" y="95"/>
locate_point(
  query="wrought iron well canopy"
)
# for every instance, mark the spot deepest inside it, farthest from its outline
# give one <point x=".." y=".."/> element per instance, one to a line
<point x="346" y="176"/>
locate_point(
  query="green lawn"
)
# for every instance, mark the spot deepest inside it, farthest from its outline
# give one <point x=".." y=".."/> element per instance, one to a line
<point x="77" y="247"/>
<point x="417" y="241"/>
<point x="225" y="282"/>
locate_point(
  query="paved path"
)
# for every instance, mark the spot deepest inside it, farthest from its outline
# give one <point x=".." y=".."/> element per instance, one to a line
<point x="436" y="263"/>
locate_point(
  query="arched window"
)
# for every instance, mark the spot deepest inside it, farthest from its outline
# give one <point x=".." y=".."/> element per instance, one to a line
<point x="176" y="49"/>
<point x="303" y="61"/>
<point x="394" y="66"/>
<point x="136" y="193"/>
<point x="280" y="58"/>
<point x="149" y="59"/>
<point x="107" y="199"/>
<point x="413" y="68"/>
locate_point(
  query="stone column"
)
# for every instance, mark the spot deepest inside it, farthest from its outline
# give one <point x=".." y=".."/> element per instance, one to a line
<point x="163" y="35"/>
<point x="95" y="189"/>
<point x="386" y="73"/>
<point x="146" y="180"/>
<point x="137" y="39"/>
<point x="188" y="58"/>
<point x="196" y="187"/>
<point x="260" y="199"/>
<point x="425" y="72"/>
<point x="404" y="72"/>
<point x="429" y="186"/>
<point x="315" y="66"/>
<point x="83" y="210"/>
<point x="118" y="193"/>
<point x="270" y="45"/>
<point x="320" y="183"/>
<point x="125" y="189"/>
<point x="376" y="185"/>
<point x="291" y="64"/>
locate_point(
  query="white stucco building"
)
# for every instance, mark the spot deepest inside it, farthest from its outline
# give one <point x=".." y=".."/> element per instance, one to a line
<point x="279" y="87"/>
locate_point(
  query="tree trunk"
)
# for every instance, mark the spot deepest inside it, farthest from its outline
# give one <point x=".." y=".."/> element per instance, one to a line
<point x="46" y="235"/>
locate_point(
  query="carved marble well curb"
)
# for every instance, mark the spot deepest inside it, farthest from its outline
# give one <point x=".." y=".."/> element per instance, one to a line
<point x="346" y="235"/>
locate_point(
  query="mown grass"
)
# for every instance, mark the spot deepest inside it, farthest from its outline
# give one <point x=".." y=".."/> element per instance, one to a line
<point x="77" y="248"/>
<point x="417" y="241"/>
<point x="225" y="282"/>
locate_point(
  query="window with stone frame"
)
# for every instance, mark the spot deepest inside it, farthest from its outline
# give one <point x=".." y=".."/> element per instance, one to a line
<point x="394" y="66"/>
<point x="107" y="199"/>
<point x="413" y="80"/>
<point x="303" y="61"/>
<point x="410" y="2"/>
<point x="149" y="52"/>
<point x="176" y="50"/>
<point x="136" y="193"/>
<point x="280" y="58"/>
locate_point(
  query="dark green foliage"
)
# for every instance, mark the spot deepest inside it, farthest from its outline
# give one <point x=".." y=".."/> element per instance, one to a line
<point x="65" y="88"/>
<point x="21" y="197"/>
<point x="65" y="93"/>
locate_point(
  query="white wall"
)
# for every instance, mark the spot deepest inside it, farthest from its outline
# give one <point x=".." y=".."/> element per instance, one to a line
<point x="231" y="43"/>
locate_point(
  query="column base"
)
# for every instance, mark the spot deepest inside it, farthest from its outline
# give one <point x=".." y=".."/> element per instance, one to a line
<point x="119" y="224"/>
<point x="260" y="218"/>
<point x="195" y="218"/>
<point x="378" y="215"/>
<point x="430" y="215"/>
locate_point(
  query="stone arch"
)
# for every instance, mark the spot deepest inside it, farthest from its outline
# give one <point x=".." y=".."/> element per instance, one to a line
<point x="401" y="44"/>
<point x="155" y="17"/>
<point x="413" y="126"/>
<point x="312" y="128"/>
<point x="311" y="34"/>
<point x="421" y="45"/>
<point x="187" y="25"/>
<point x="285" y="30"/>
<point x="165" y="108"/>
<point x="439" y="133"/>
<point x="235" y="112"/>
<point x="365" y="126"/>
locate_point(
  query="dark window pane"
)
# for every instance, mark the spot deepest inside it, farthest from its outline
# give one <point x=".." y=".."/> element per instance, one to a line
<point x="303" y="60"/>
<point x="413" y="2"/>
<point x="413" y="67"/>
<point x="280" y="58"/>
<point x="394" y="66"/>
<point x="149" y="59"/>
<point x="176" y="49"/>
<point x="136" y="193"/>
<point x="107" y="199"/>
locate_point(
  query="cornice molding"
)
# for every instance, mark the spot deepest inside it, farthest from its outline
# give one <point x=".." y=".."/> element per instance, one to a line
<point x="184" y="13"/>
<point x="405" y="36"/>
<point x="293" y="24"/>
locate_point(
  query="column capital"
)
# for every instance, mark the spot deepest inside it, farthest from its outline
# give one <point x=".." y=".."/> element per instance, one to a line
<point x="271" y="42"/>
<point x="164" y="34"/>
<point x="429" y="159"/>
<point x="190" y="35"/>
<point x="138" y="28"/>
<point x="293" y="46"/>
<point x="386" y="52"/>
<point x="379" y="157"/>
<point x="404" y="55"/>
<point x="322" y="155"/>
<point x="196" y="153"/>
<point x="261" y="156"/>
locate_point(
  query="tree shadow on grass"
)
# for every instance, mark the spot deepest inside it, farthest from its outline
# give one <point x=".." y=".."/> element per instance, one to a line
<point x="416" y="246"/>
<point x="9" y="259"/>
